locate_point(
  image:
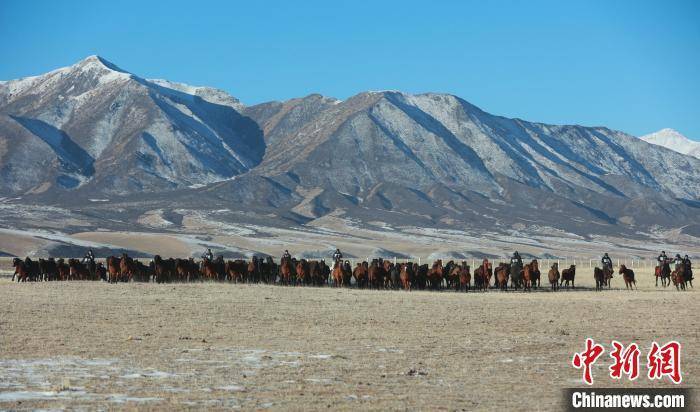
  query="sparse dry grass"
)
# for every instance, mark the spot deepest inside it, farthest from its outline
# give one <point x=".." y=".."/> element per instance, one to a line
<point x="220" y="345"/>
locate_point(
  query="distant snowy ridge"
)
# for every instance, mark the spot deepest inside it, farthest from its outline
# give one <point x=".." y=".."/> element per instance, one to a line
<point x="672" y="139"/>
<point x="137" y="133"/>
<point x="95" y="131"/>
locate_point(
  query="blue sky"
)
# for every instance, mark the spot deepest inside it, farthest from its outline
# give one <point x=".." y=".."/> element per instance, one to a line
<point x="628" y="65"/>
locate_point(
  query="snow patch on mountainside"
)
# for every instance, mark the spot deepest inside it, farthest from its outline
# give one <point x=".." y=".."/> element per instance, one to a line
<point x="210" y="94"/>
<point x="672" y="139"/>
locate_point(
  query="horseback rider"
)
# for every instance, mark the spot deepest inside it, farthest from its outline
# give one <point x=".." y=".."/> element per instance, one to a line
<point x="607" y="262"/>
<point x="89" y="256"/>
<point x="208" y="255"/>
<point x="286" y="255"/>
<point x="679" y="261"/>
<point x="516" y="260"/>
<point x="662" y="259"/>
<point x="337" y="256"/>
<point x="688" y="267"/>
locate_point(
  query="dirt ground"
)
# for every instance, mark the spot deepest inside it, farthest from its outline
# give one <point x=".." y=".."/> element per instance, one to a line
<point x="220" y="346"/>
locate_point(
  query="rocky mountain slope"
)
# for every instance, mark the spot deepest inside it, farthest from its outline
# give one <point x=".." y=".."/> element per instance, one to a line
<point x="95" y="127"/>
<point x="93" y="130"/>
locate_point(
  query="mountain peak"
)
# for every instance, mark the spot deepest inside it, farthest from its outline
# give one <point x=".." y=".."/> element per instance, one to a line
<point x="674" y="140"/>
<point x="98" y="61"/>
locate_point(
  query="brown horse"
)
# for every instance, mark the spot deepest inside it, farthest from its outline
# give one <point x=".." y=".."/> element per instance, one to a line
<point x="286" y="269"/>
<point x="628" y="277"/>
<point x="568" y="275"/>
<point x="100" y="272"/>
<point x="501" y="273"/>
<point x="375" y="275"/>
<point x="461" y="272"/>
<point x="527" y="276"/>
<point x="360" y="273"/>
<point x="64" y="270"/>
<point x="678" y="277"/>
<point x="236" y="270"/>
<point x="21" y="270"/>
<point x="663" y="271"/>
<point x="208" y="270"/>
<point x="553" y="277"/>
<point x="435" y="275"/>
<point x="302" y="272"/>
<point x="599" y="277"/>
<point x="126" y="268"/>
<point x="78" y="271"/>
<point x="163" y="272"/>
<point x="535" y="273"/>
<point x="113" y="269"/>
<point x="482" y="276"/>
<point x="388" y="267"/>
<point x="405" y="276"/>
<point x="338" y="275"/>
<point x="607" y="276"/>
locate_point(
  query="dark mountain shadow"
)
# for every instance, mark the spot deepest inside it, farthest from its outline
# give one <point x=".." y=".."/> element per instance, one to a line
<point x="400" y="144"/>
<point x="597" y="213"/>
<point x="466" y="153"/>
<point x="72" y="157"/>
<point x="239" y="132"/>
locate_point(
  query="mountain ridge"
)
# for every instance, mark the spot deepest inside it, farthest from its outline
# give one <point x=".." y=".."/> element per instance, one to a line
<point x="428" y="159"/>
<point x="673" y="140"/>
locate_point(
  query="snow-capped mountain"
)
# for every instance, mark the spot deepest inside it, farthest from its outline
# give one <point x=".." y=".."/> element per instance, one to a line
<point x="93" y="130"/>
<point x="671" y="139"/>
<point x="95" y="126"/>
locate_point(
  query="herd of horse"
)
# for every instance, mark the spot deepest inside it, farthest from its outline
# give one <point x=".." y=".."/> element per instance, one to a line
<point x="377" y="274"/>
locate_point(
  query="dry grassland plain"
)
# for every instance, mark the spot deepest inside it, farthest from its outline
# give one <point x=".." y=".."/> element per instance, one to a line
<point x="189" y="346"/>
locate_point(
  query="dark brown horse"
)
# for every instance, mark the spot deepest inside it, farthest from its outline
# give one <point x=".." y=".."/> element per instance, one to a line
<point x="607" y="276"/>
<point x="463" y="275"/>
<point x="482" y="275"/>
<point x="126" y="268"/>
<point x="286" y="269"/>
<point x="360" y="273"/>
<point x="501" y="273"/>
<point x="628" y="277"/>
<point x="678" y="277"/>
<point x="663" y="271"/>
<point x="535" y="273"/>
<point x="22" y="270"/>
<point x="302" y="272"/>
<point x="553" y="276"/>
<point x="113" y="269"/>
<point x="435" y="275"/>
<point x="64" y="270"/>
<point x="527" y="276"/>
<point x="599" y="277"/>
<point x="78" y="271"/>
<point x="163" y="269"/>
<point x="375" y="275"/>
<point x="236" y="270"/>
<point x="568" y="276"/>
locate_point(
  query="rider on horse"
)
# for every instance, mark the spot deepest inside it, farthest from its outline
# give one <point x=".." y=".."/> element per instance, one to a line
<point x="337" y="256"/>
<point x="679" y="261"/>
<point x="688" y="267"/>
<point x="286" y="255"/>
<point x="89" y="256"/>
<point x="208" y="255"/>
<point x="516" y="260"/>
<point x="607" y="262"/>
<point x="662" y="259"/>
